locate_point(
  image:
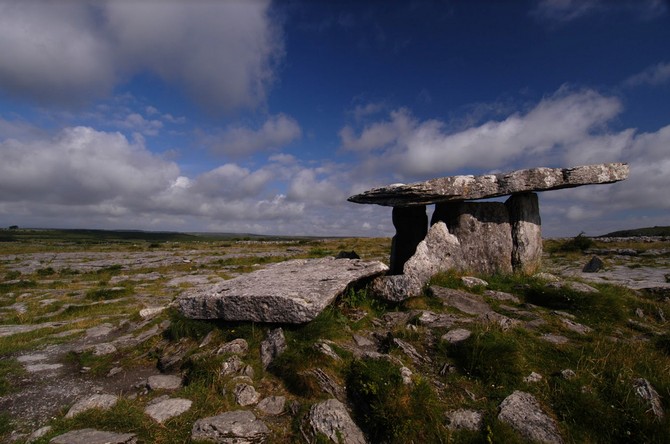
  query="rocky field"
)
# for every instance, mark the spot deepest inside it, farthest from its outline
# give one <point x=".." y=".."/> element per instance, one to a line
<point x="93" y="348"/>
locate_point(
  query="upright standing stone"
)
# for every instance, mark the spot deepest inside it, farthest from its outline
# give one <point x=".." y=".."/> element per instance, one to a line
<point x="524" y="215"/>
<point x="411" y="225"/>
<point x="484" y="232"/>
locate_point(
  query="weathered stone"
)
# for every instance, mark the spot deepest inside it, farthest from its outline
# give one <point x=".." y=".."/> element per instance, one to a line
<point x="594" y="265"/>
<point x="92" y="436"/>
<point x="465" y="420"/>
<point x="332" y="420"/>
<point x="646" y="391"/>
<point x="440" y="320"/>
<point x="272" y="405"/>
<point x="456" y="336"/>
<point x="501" y="296"/>
<point x="164" y="382"/>
<point x="246" y="394"/>
<point x="533" y="377"/>
<point x="273" y="346"/>
<point x="397" y="288"/>
<point x="574" y="286"/>
<point x="484" y="233"/>
<point x="37" y="434"/>
<point x="466" y="302"/>
<point x="471" y="282"/>
<point x="168" y="408"/>
<point x="326" y="383"/>
<point x="101" y="401"/>
<point x="35" y="368"/>
<point x="568" y="374"/>
<point x="237" y="346"/>
<point x="576" y="326"/>
<point x="236" y="427"/>
<point x="411" y="224"/>
<point x="459" y="188"/>
<point x="151" y="312"/>
<point x="406" y="375"/>
<point x="294" y="291"/>
<point x="327" y="350"/>
<point x="504" y="322"/>
<point x="555" y="339"/>
<point x="524" y="217"/>
<point x="99" y="331"/>
<point x="522" y="411"/>
<point x="409" y="350"/>
<point x="231" y="365"/>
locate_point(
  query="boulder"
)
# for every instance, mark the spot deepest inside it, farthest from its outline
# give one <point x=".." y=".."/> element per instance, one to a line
<point x="331" y="419"/>
<point x="522" y="411"/>
<point x="466" y="302"/>
<point x="294" y="291"/>
<point x="460" y="188"/>
<point x="92" y="436"/>
<point x="239" y="426"/>
<point x="524" y="218"/>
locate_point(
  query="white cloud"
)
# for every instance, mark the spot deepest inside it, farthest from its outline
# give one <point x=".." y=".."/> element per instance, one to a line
<point x="135" y="122"/>
<point x="654" y="75"/>
<point x="568" y="10"/>
<point x="57" y="51"/>
<point x="238" y="141"/>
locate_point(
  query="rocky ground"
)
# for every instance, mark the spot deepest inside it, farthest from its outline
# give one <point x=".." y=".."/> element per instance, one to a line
<point x="93" y="350"/>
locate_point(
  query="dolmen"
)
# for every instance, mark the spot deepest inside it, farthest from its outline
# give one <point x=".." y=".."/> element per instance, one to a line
<point x="477" y="237"/>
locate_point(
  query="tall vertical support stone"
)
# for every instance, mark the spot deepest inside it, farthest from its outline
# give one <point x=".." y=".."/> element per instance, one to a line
<point x="524" y="214"/>
<point x="411" y="225"/>
<point x="484" y="232"/>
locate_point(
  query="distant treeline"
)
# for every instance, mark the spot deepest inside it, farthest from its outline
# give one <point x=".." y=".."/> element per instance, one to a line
<point x="649" y="231"/>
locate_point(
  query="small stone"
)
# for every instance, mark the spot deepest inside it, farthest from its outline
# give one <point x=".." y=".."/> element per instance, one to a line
<point x="362" y="341"/>
<point x="114" y="371"/>
<point x="37" y="434"/>
<point x="576" y="327"/>
<point x="568" y="374"/>
<point x="639" y="313"/>
<point x="151" y="312"/>
<point x="327" y="350"/>
<point x="239" y="426"/>
<point x="463" y="419"/>
<point x="34" y="368"/>
<point x="594" y="265"/>
<point x="104" y="349"/>
<point x="547" y="277"/>
<point x="468" y="303"/>
<point x="92" y="436"/>
<point x="246" y="394"/>
<point x="332" y="419"/>
<point x="406" y="375"/>
<point x="207" y="339"/>
<point x="102" y="401"/>
<point x="247" y="371"/>
<point x="555" y="339"/>
<point x="522" y="411"/>
<point x="646" y="391"/>
<point x="231" y="365"/>
<point x="533" y="377"/>
<point x="272" y="405"/>
<point x="456" y="336"/>
<point x="167" y="408"/>
<point x="164" y="382"/>
<point x="273" y="346"/>
<point x="237" y="346"/>
<point x="470" y="282"/>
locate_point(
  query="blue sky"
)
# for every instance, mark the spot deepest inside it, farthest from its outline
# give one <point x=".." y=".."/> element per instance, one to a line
<point x="261" y="116"/>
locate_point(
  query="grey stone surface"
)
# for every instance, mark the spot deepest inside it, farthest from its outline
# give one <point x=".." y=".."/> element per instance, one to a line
<point x="294" y="291"/>
<point x="501" y="296"/>
<point x="236" y="427"/>
<point x="594" y="265"/>
<point x="522" y="411"/>
<point x="92" y="436"/>
<point x="164" y="382"/>
<point x="532" y="378"/>
<point x="167" y="408"/>
<point x="411" y="224"/>
<point x="272" y="346"/>
<point x="463" y="419"/>
<point x="332" y="420"/>
<point x="648" y="393"/>
<point x="555" y="339"/>
<point x="231" y="365"/>
<point x="37" y="434"/>
<point x="524" y="216"/>
<point x="466" y="302"/>
<point x="471" y="282"/>
<point x="456" y="335"/>
<point x="440" y="320"/>
<point x="237" y="346"/>
<point x="484" y="233"/>
<point x="576" y="326"/>
<point x="272" y="405"/>
<point x="246" y="394"/>
<point x="459" y="188"/>
<point x="98" y="401"/>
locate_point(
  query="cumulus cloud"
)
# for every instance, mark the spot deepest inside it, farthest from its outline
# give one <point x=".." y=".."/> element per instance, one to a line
<point x="222" y="53"/>
<point x="654" y="76"/>
<point x="569" y="10"/>
<point x="238" y="141"/>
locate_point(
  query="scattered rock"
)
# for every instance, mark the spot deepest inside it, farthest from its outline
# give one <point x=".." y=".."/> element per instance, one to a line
<point x="237" y="346"/>
<point x="294" y="292"/>
<point x="327" y="350"/>
<point x="99" y="331"/>
<point x="568" y="374"/>
<point x="532" y="378"/>
<point x="406" y="375"/>
<point x="167" y="408"/>
<point x="151" y="312"/>
<point x="505" y="323"/>
<point x="34" y="368"/>
<point x="37" y="434"/>
<point x="440" y="320"/>
<point x="362" y="341"/>
<point x="409" y="350"/>
<point x="456" y="336"/>
<point x="326" y="383"/>
<point x="332" y="420"/>
<point x="639" y="313"/>
<point x="470" y="282"/>
<point x="466" y="302"/>
<point x="522" y="411"/>
<point x="164" y="382"/>
<point x="92" y="436"/>
<point x="273" y="346"/>
<point x="246" y="394"/>
<point x="239" y="426"/>
<point x="574" y="286"/>
<point x="547" y="277"/>
<point x="594" y="265"/>
<point x="103" y="349"/>
<point x="101" y="401"/>
<point x="501" y="296"/>
<point x="646" y="391"/>
<point x="576" y="326"/>
<point x="231" y="365"/>
<point x="463" y="419"/>
<point x="272" y="405"/>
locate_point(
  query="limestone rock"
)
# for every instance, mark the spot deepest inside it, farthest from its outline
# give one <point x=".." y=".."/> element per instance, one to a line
<point x="439" y="251"/>
<point x="236" y="427"/>
<point x="466" y="302"/>
<point x="294" y="291"/>
<point x="594" y="265"/>
<point x="501" y="296"/>
<point x="484" y="233"/>
<point x="272" y="405"/>
<point x="533" y="377"/>
<point x="237" y="346"/>
<point x="332" y="419"/>
<point x="471" y="282"/>
<point x="168" y="408"/>
<point x="524" y="215"/>
<point x="92" y="436"/>
<point x="646" y="391"/>
<point x="164" y="382"/>
<point x="231" y="365"/>
<point x="246" y="394"/>
<point x="522" y="411"/>
<point x="101" y="401"/>
<point x="459" y="188"/>
<point x="456" y="336"/>
<point x="440" y="320"/>
<point x="465" y="420"/>
<point x="273" y="346"/>
<point x="37" y="434"/>
<point x="397" y="288"/>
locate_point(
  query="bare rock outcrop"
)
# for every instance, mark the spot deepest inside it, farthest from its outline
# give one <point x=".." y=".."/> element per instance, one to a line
<point x="522" y="411"/>
<point x="332" y="420"/>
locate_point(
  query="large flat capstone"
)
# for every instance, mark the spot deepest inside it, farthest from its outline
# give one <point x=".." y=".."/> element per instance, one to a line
<point x="459" y="188"/>
<point x="294" y="291"/>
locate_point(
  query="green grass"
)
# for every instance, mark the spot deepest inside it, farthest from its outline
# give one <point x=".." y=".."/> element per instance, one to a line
<point x="10" y="370"/>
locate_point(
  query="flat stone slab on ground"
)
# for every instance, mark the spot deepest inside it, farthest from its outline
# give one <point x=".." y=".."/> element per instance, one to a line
<point x="168" y="408"/>
<point x="239" y="426"/>
<point x="459" y="188"/>
<point x="294" y="291"/>
<point x="92" y="436"/>
<point x="98" y="401"/>
<point x="164" y="382"/>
